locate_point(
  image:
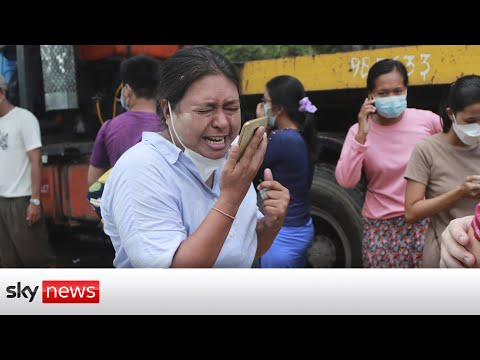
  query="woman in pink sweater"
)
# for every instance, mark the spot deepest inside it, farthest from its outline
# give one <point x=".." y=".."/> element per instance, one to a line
<point x="380" y="144"/>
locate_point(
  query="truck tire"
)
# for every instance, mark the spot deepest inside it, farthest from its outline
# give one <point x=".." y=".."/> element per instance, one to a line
<point x="337" y="221"/>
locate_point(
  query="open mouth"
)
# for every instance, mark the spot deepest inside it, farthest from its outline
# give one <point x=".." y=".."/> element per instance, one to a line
<point x="215" y="140"/>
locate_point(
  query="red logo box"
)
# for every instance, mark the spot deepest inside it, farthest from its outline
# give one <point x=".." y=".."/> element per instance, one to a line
<point x="71" y="291"/>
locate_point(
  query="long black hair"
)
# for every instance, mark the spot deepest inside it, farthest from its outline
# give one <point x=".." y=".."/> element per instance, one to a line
<point x="287" y="91"/>
<point x="462" y="93"/>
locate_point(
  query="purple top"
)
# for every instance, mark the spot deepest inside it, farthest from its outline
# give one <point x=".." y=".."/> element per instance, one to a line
<point x="121" y="133"/>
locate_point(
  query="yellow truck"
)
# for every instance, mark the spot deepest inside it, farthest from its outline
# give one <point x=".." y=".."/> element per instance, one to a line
<point x="336" y="84"/>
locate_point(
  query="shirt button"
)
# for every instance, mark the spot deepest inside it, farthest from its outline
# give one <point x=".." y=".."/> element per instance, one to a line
<point x="215" y="199"/>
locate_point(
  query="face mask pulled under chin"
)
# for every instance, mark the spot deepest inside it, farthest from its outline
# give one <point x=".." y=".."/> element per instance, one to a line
<point x="469" y="134"/>
<point x="205" y="166"/>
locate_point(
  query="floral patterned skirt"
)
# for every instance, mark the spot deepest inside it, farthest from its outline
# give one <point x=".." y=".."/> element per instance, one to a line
<point x="393" y="243"/>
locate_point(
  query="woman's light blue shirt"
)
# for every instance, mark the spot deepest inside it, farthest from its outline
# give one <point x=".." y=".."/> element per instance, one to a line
<point x="155" y="198"/>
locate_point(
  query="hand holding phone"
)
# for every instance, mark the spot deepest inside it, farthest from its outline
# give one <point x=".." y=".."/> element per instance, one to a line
<point x="248" y="129"/>
<point x="243" y="162"/>
<point x="367" y="109"/>
<point x="370" y="98"/>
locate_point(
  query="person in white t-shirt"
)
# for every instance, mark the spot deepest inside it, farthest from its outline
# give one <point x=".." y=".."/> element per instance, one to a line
<point x="23" y="234"/>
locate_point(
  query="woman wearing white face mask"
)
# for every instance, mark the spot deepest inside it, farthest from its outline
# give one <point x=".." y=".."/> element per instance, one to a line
<point x="184" y="198"/>
<point x="380" y="144"/>
<point x="443" y="174"/>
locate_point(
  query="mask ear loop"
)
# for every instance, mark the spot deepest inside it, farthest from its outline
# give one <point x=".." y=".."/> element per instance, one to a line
<point x="454" y="120"/>
<point x="173" y="126"/>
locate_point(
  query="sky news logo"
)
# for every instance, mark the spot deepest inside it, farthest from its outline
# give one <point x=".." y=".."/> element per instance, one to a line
<point x="59" y="291"/>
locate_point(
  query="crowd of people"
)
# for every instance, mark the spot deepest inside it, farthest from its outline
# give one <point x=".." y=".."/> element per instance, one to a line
<point x="167" y="180"/>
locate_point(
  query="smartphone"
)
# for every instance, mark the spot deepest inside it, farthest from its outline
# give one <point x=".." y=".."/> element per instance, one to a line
<point x="248" y="129"/>
<point x="370" y="97"/>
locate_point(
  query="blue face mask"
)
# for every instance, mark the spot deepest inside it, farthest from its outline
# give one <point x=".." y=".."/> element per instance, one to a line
<point x="392" y="106"/>
<point x="271" y="119"/>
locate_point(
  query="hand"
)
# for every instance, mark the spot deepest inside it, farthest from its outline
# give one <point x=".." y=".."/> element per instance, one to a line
<point x="453" y="242"/>
<point x="473" y="247"/>
<point x="276" y="200"/>
<point x="470" y="189"/>
<point x="363" y="118"/>
<point x="33" y="214"/>
<point x="238" y="174"/>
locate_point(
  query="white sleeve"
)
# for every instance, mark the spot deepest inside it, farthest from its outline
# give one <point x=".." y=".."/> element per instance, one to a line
<point x="30" y="130"/>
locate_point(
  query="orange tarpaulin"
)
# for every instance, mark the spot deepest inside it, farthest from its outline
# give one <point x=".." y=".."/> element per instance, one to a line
<point x="97" y="52"/>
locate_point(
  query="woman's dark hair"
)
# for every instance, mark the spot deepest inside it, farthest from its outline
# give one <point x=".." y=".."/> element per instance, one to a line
<point x="141" y="73"/>
<point x="189" y="65"/>
<point x="383" y="67"/>
<point x="287" y="91"/>
<point x="462" y="93"/>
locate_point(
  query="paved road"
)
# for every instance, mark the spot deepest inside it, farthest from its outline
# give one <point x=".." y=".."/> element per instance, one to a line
<point x="74" y="254"/>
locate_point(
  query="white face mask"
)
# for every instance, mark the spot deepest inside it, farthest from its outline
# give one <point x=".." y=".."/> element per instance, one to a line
<point x="469" y="134"/>
<point x="205" y="166"/>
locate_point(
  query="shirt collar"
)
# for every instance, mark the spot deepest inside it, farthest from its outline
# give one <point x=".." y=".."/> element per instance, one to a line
<point x="168" y="150"/>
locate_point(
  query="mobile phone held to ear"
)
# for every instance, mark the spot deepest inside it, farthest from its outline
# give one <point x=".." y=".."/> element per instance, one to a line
<point x="248" y="129"/>
<point x="370" y="97"/>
